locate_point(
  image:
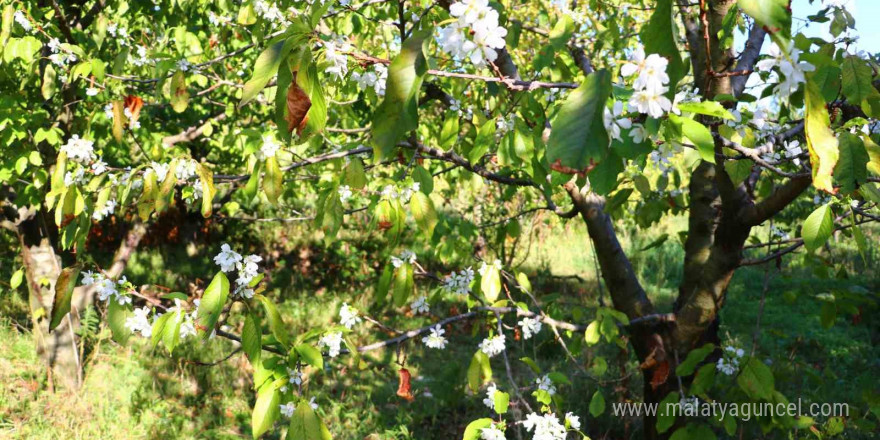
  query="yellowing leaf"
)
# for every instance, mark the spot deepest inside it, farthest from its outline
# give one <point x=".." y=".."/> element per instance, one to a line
<point x="820" y="138"/>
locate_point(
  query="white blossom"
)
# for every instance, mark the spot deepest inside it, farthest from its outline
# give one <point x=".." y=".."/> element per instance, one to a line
<point x="247" y="269"/>
<point x="651" y="101"/>
<point x="348" y="316"/>
<point x="613" y="121"/>
<point x="573" y="421"/>
<point x="344" y="193"/>
<point x="22" y="21"/>
<point x="485" y="267"/>
<point x="546" y="427"/>
<point x="92" y="91"/>
<point x="490" y="396"/>
<point x="638" y="133"/>
<point x="530" y="327"/>
<point x="79" y="150"/>
<point x="460" y="282"/>
<point x="420" y="305"/>
<point x="287" y="409"/>
<point x="227" y="259"/>
<point x="333" y="342"/>
<point x="793" y="150"/>
<point x="492" y="346"/>
<point x="269" y="147"/>
<point x="544" y="383"/>
<point x="407" y="256"/>
<point x="436" y="338"/>
<point x="492" y="433"/>
<point x="338" y="61"/>
<point x="139" y="322"/>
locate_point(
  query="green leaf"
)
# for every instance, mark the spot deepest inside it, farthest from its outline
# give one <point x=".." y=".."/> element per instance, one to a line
<point x="821" y="142"/>
<point x="308" y="81"/>
<point x="756" y="380"/>
<point x="532" y="365"/>
<point x="592" y="333"/>
<point x="266" y="410"/>
<point x="656" y="243"/>
<point x="167" y="187"/>
<point x="179" y="93"/>
<point x="490" y="283"/>
<point x="206" y="177"/>
<point x="597" y="404"/>
<point x="265" y="68"/>
<point x="212" y="304"/>
<point x="501" y="400"/>
<point x="116" y="316"/>
<point x="659" y="36"/>
<point x="171" y="333"/>
<point x="276" y="325"/>
<point x="305" y="425"/>
<point x="479" y="371"/>
<point x="354" y="176"/>
<point x="398" y="112"/>
<point x="50" y="82"/>
<point x="474" y="429"/>
<point x="424" y="213"/>
<point x="16" y="278"/>
<point x="449" y="132"/>
<point x="273" y="180"/>
<point x="251" y="338"/>
<point x="693" y="358"/>
<point x="578" y="139"/>
<point x="693" y="431"/>
<point x="666" y="413"/>
<point x="818" y="227"/>
<point x="63" y="294"/>
<point x="708" y="108"/>
<point x="852" y="168"/>
<point x="159" y="329"/>
<point x="311" y="355"/>
<point x="425" y="179"/>
<point x="828" y="314"/>
<point x="403" y="284"/>
<point x="856" y="76"/>
<point x="698" y="135"/>
<point x="772" y="14"/>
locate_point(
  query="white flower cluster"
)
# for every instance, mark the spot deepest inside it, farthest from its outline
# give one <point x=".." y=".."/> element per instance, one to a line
<point x="186" y="169"/>
<point x="79" y="150"/>
<point x="436" y="338"/>
<point x="348" y="316"/>
<point x="119" y="33"/>
<point x="485" y="267"/>
<point x="108" y="208"/>
<point x="790" y="66"/>
<point x="141" y="59"/>
<point x="287" y="409"/>
<point x="407" y="256"/>
<point x="615" y="122"/>
<point x="479" y="21"/>
<point x="459" y="282"/>
<point x="660" y="157"/>
<point x="219" y="20"/>
<point x="184" y="65"/>
<point x="420" y="305"/>
<point x="334" y="54"/>
<point x="793" y="150"/>
<point x="345" y="193"/>
<point x="271" y="13"/>
<point x="229" y="260"/>
<point x="333" y="342"/>
<point x="376" y="79"/>
<point x="651" y="83"/>
<point x="105" y="287"/>
<point x="490" y="396"/>
<point x="269" y="147"/>
<point x="544" y="383"/>
<point x="59" y="57"/>
<point x="729" y="363"/>
<point x="391" y="192"/>
<point x="530" y="327"/>
<point x="493" y="345"/>
<point x="546" y="427"/>
<point x="139" y="322"/>
<point x="492" y="433"/>
<point x="22" y="21"/>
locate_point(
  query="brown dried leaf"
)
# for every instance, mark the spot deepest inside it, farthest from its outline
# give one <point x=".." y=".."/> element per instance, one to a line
<point x="134" y="105"/>
<point x="298" y="104"/>
<point x="404" y="389"/>
<point x="661" y="372"/>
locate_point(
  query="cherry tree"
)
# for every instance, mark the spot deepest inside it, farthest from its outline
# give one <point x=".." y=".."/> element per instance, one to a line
<point x="378" y="116"/>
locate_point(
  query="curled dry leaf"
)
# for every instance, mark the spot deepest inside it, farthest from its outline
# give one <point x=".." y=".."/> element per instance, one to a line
<point x="298" y="104"/>
<point x="404" y="389"/>
<point x="134" y="105"/>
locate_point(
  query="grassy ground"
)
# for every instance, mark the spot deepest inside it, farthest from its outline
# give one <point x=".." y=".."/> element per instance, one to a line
<point x="134" y="393"/>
